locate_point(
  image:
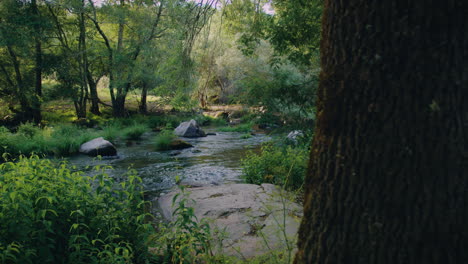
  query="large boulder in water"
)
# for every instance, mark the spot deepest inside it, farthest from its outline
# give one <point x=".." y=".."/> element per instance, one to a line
<point x="98" y="146"/>
<point x="189" y="129"/>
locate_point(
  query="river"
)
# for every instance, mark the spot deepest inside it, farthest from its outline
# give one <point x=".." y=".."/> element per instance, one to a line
<point x="213" y="160"/>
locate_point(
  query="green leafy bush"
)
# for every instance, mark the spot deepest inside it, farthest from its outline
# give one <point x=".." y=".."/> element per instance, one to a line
<point x="280" y="165"/>
<point x="49" y="213"/>
<point x="185" y="240"/>
<point x="163" y="140"/>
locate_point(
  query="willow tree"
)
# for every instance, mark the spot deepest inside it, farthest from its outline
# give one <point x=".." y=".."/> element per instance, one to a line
<point x="388" y="174"/>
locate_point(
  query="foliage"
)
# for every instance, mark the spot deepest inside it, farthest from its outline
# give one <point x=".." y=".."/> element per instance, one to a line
<point x="185" y="239"/>
<point x="50" y="213"/>
<point x="280" y="165"/>
<point x="296" y="29"/>
<point x="239" y="128"/>
<point x="59" y="140"/>
<point x="135" y="131"/>
<point x="209" y="121"/>
<point x="163" y="140"/>
<point x="246" y="136"/>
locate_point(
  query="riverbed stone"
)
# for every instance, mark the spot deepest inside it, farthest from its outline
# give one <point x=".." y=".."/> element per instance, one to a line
<point x="189" y="129"/>
<point x="293" y="136"/>
<point x="177" y="144"/>
<point x="247" y="213"/>
<point x="98" y="146"/>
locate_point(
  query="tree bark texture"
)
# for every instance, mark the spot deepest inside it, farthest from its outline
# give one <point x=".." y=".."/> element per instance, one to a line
<point x="388" y="174"/>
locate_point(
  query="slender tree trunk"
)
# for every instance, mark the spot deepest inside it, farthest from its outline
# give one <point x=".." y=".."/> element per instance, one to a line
<point x="143" y="104"/>
<point x="93" y="94"/>
<point x="21" y="92"/>
<point x="38" y="67"/>
<point x="83" y="94"/>
<point x="388" y="174"/>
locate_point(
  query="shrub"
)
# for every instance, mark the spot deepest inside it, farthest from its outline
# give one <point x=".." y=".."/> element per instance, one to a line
<point x="28" y="130"/>
<point x="163" y="140"/>
<point x="280" y="165"/>
<point x="185" y="240"/>
<point x="49" y="214"/>
<point x="135" y="131"/>
<point x="110" y="132"/>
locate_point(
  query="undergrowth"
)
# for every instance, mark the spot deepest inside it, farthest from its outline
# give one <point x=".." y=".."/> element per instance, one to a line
<point x="282" y="165"/>
<point x="49" y="213"/>
<point x="163" y="140"/>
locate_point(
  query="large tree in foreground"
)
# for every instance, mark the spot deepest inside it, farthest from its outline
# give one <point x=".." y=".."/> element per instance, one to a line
<point x="388" y="176"/>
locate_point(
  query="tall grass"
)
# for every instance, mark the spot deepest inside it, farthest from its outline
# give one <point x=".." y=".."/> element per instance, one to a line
<point x="163" y="140"/>
<point x="59" y="140"/>
<point x="244" y="128"/>
<point x="135" y="131"/>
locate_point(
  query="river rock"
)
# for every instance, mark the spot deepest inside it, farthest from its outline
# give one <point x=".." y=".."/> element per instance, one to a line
<point x="248" y="213"/>
<point x="293" y="136"/>
<point x="98" y="146"/>
<point x="189" y="129"/>
<point x="179" y="144"/>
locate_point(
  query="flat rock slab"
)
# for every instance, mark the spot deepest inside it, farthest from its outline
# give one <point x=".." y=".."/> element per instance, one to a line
<point x="254" y="217"/>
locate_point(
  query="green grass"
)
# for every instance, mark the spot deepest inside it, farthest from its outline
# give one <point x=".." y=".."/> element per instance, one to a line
<point x="135" y="131"/>
<point x="239" y="128"/>
<point x="163" y="140"/>
<point x="59" y="140"/>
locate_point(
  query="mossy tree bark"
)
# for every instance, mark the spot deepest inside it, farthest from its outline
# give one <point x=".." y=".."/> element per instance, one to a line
<point x="388" y="175"/>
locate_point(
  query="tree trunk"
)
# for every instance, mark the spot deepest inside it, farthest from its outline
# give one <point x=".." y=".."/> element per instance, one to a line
<point x="36" y="113"/>
<point x="21" y="91"/>
<point x="118" y="107"/>
<point x="388" y="175"/>
<point x="143" y="104"/>
<point x="83" y="61"/>
<point x="93" y="94"/>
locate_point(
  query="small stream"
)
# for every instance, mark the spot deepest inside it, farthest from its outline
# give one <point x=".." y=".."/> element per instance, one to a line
<point x="213" y="160"/>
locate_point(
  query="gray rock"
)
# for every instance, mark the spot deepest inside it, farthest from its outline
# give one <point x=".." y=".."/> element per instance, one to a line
<point x="248" y="213"/>
<point x="98" y="146"/>
<point x="189" y="129"/>
<point x="179" y="144"/>
<point x="295" y="135"/>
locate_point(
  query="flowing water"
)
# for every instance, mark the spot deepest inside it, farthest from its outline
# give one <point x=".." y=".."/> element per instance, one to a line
<point x="213" y="160"/>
